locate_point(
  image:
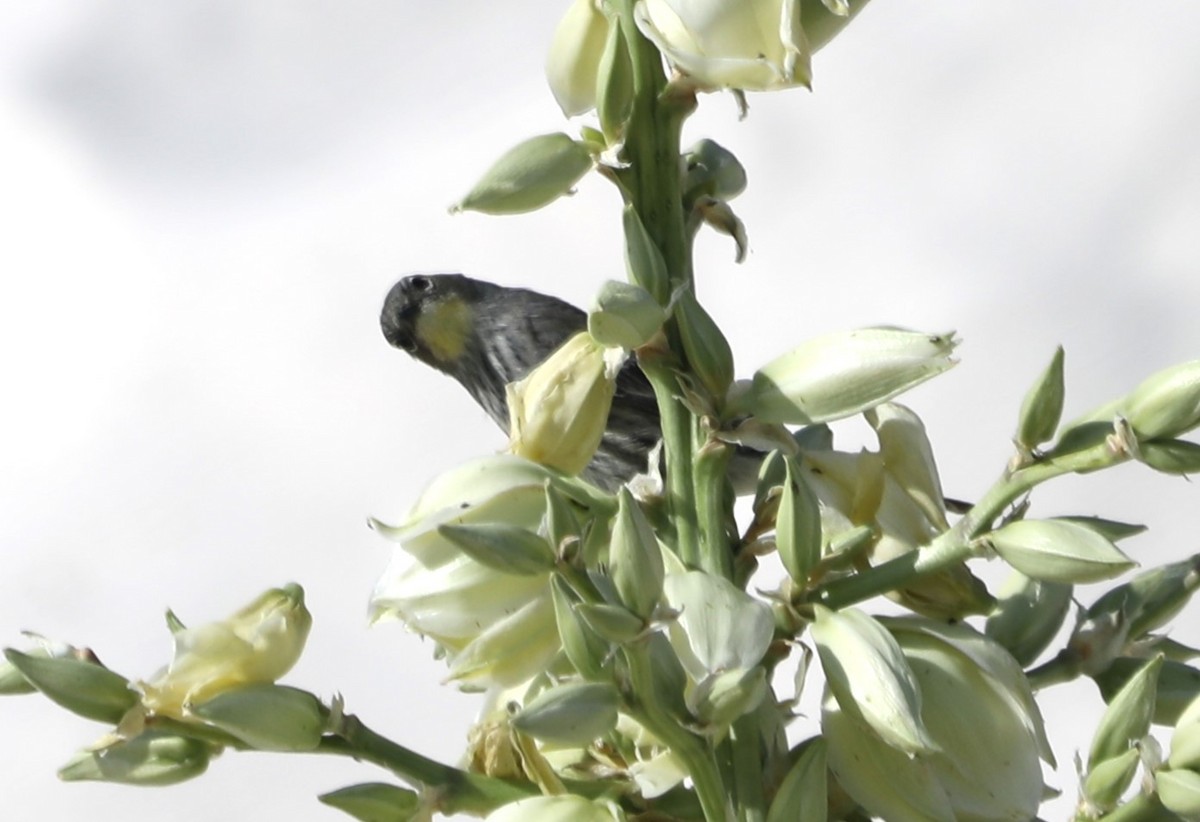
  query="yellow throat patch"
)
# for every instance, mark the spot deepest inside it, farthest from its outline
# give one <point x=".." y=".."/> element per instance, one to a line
<point x="443" y="328"/>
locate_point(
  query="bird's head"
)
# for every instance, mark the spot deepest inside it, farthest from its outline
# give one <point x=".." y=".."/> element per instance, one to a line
<point x="431" y="316"/>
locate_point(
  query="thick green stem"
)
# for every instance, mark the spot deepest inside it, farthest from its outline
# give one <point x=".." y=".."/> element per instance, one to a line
<point x="457" y="791"/>
<point x="714" y="513"/>
<point x="695" y="753"/>
<point x="955" y="545"/>
<point x="653" y="183"/>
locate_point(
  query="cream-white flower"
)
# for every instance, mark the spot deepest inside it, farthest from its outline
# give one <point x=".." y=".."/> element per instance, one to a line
<point x="756" y="45"/>
<point x="978" y="709"/>
<point x="258" y="644"/>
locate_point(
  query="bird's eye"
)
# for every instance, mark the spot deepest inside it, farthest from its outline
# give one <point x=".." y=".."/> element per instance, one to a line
<point x="420" y="283"/>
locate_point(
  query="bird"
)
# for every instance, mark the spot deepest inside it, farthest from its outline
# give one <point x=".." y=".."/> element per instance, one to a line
<point x="486" y="336"/>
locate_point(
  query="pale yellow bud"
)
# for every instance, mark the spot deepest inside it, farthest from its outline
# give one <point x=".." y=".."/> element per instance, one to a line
<point x="558" y="413"/>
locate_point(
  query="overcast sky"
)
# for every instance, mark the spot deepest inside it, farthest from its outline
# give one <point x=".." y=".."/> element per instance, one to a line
<point x="204" y="203"/>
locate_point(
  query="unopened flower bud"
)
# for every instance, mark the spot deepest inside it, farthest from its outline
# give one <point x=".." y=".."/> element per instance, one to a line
<point x="151" y="758"/>
<point x="707" y="351"/>
<point x="1185" y="740"/>
<point x="574" y="58"/>
<point x="372" y="801"/>
<point x="82" y="687"/>
<point x="614" y="623"/>
<point x="624" y="315"/>
<point x="1058" y="551"/>
<point x="614" y="86"/>
<point x="1167" y="404"/>
<point x="1152" y="598"/>
<point x="798" y="525"/>
<point x="1042" y="407"/>
<point x="643" y="259"/>
<point x="1127" y="718"/>
<point x="529" y="176"/>
<point x="1179" y="791"/>
<point x="1171" y="456"/>
<point x="1108" y="780"/>
<point x="1178" y="685"/>
<point x="558" y="413"/>
<point x="841" y="374"/>
<point x="635" y="558"/>
<point x="266" y="717"/>
<point x="582" y="645"/>
<point x="870" y="678"/>
<point x="574" y="714"/>
<point x="1028" y="615"/>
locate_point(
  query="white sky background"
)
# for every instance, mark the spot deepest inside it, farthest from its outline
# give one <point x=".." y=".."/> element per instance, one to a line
<point x="203" y="204"/>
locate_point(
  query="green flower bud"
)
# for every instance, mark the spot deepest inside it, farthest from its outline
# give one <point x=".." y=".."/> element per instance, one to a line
<point x="1028" y="615"/>
<point x="373" y="802"/>
<point x="1167" y="404"/>
<point x="841" y="374"/>
<point x="151" y="758"/>
<point x="614" y="86"/>
<point x="1042" y="407"/>
<point x="266" y="717"/>
<point x="798" y="525"/>
<point x="803" y="792"/>
<point x="1178" y="686"/>
<point x="1179" y="791"/>
<point x="583" y="647"/>
<point x="643" y="259"/>
<point x="1152" y="598"/>
<point x="528" y="176"/>
<point x="1185" y="740"/>
<point x="84" y="688"/>
<point x="1106" y="781"/>
<point x="574" y="714"/>
<point x="509" y="549"/>
<point x="1171" y="456"/>
<point x="635" y="558"/>
<point x="707" y="351"/>
<point x="613" y="623"/>
<point x="869" y="677"/>
<point x="1127" y="718"/>
<point x="561" y="525"/>
<point x="713" y="170"/>
<point x="1058" y="551"/>
<point x="624" y="315"/>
